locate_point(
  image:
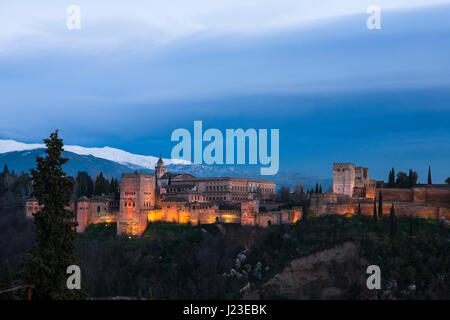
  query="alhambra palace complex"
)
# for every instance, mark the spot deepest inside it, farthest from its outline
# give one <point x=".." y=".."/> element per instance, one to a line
<point x="183" y="198"/>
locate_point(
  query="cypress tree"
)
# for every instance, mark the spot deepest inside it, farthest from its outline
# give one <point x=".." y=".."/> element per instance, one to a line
<point x="320" y="189"/>
<point x="5" y="170"/>
<point x="7" y="282"/>
<point x="83" y="182"/>
<point x="359" y="209"/>
<point x="46" y="264"/>
<point x="317" y="188"/>
<point x="412" y="177"/>
<point x="410" y="225"/>
<point x="393" y="221"/>
<point x="111" y="185"/>
<point x="101" y="185"/>
<point x="429" y="175"/>
<point x="90" y="187"/>
<point x="392" y="178"/>
<point x="380" y="205"/>
<point x="375" y="209"/>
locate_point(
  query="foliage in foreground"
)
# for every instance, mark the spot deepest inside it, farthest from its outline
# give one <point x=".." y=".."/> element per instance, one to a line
<point x="174" y="261"/>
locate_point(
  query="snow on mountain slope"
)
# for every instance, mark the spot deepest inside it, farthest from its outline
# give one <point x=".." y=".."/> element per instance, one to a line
<point x="11" y="145"/>
<point x="108" y="153"/>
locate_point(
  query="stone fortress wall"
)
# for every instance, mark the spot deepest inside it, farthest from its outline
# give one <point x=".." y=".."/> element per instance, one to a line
<point x="425" y="201"/>
<point x="183" y="198"/>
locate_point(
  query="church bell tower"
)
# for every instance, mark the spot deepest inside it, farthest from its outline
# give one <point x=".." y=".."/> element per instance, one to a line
<point x="160" y="169"/>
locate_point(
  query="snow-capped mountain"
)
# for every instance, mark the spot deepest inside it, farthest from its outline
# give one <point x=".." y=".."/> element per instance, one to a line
<point x="113" y="162"/>
<point x="107" y="153"/>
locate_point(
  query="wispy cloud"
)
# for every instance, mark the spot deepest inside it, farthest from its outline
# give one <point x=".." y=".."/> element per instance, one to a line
<point x="105" y="24"/>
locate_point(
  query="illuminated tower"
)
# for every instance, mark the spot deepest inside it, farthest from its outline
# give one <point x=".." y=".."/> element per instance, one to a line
<point x="160" y="169"/>
<point x="343" y="178"/>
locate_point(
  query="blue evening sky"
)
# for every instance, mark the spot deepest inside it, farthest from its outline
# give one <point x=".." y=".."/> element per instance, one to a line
<point x="137" y="70"/>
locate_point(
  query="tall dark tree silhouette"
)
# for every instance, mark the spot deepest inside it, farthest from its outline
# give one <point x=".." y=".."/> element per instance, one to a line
<point x="411" y="225"/>
<point x="46" y="264"/>
<point x="375" y="209"/>
<point x="85" y="185"/>
<point x="380" y="205"/>
<point x="392" y="178"/>
<point x="429" y="175"/>
<point x="393" y="221"/>
<point x="412" y="177"/>
<point x="101" y="185"/>
<point x="359" y="209"/>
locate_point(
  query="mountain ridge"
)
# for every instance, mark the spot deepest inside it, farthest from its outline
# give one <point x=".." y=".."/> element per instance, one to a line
<point x="22" y="157"/>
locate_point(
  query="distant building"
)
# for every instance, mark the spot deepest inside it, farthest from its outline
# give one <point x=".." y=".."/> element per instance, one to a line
<point x="351" y="180"/>
<point x="352" y="189"/>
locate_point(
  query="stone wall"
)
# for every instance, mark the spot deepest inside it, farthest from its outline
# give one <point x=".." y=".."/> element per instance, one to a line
<point x="250" y="215"/>
<point x="93" y="211"/>
<point x="402" y="208"/>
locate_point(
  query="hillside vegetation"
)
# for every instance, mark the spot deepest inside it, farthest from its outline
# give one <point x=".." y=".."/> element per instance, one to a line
<point x="173" y="261"/>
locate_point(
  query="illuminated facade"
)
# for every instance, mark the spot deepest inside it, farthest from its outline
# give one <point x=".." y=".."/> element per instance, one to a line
<point x="183" y="198"/>
<point x="352" y="181"/>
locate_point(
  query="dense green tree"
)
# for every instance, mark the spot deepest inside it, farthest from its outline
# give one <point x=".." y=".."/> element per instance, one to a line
<point x="429" y="175"/>
<point x="5" y="170"/>
<point x="7" y="282"/>
<point x="448" y="181"/>
<point x="359" y="208"/>
<point x="392" y="178"/>
<point x="380" y="205"/>
<point x="101" y="185"/>
<point x="375" y="209"/>
<point x="320" y="189"/>
<point x="410" y="225"/>
<point x="85" y="185"/>
<point x="402" y="180"/>
<point x="55" y="235"/>
<point x="317" y="188"/>
<point x="393" y="221"/>
<point x="412" y="177"/>
<point x="114" y="187"/>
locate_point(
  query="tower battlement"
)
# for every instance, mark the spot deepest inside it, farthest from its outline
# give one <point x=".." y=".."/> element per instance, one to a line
<point x="351" y="180"/>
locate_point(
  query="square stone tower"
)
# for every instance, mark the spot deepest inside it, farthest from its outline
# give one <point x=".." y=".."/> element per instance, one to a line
<point x="343" y="178"/>
<point x="137" y="196"/>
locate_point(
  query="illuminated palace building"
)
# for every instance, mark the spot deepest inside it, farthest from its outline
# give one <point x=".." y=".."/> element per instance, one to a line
<point x="182" y="198"/>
